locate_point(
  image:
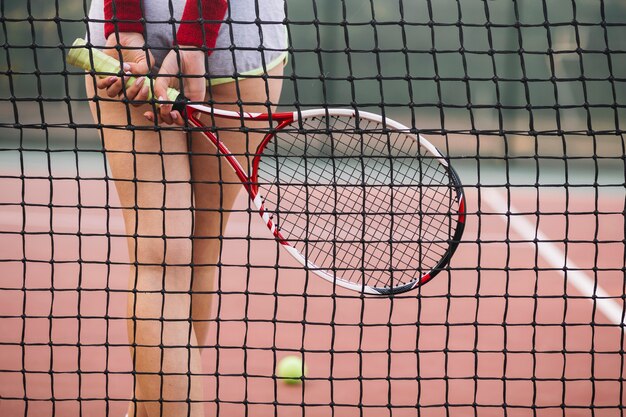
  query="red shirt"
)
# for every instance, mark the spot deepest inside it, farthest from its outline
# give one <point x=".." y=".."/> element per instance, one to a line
<point x="190" y="32"/>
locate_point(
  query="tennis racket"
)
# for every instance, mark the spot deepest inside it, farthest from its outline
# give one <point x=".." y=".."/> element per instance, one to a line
<point x="356" y="198"/>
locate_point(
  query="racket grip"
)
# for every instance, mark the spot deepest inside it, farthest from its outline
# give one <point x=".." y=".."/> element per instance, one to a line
<point x="82" y="56"/>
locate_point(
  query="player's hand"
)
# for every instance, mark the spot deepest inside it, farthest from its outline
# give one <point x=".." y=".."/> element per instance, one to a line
<point x="190" y="63"/>
<point x="135" y="61"/>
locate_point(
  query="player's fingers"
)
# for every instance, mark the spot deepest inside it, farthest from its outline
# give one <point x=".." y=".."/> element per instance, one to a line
<point x="143" y="94"/>
<point x="165" y="112"/>
<point x="149" y="115"/>
<point x="165" y="109"/>
<point x="104" y="83"/>
<point x="115" y="88"/>
<point x="147" y="91"/>
<point x="168" y="120"/>
<point x="167" y="115"/>
<point x="178" y="119"/>
<point x="133" y="89"/>
<point x="139" y="69"/>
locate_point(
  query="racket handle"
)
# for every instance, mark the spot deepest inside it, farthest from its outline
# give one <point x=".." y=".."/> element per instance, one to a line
<point x="81" y="56"/>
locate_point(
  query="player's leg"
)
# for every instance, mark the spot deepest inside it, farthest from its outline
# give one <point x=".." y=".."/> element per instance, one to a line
<point x="152" y="177"/>
<point x="216" y="186"/>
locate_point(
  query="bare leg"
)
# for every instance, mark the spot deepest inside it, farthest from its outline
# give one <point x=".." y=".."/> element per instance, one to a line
<point x="210" y="194"/>
<point x="156" y="179"/>
<point x="152" y="177"/>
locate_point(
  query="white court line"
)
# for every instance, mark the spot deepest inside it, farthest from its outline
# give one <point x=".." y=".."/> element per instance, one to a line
<point x="555" y="257"/>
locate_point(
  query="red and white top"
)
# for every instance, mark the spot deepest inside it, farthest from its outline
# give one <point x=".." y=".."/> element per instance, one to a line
<point x="191" y="32"/>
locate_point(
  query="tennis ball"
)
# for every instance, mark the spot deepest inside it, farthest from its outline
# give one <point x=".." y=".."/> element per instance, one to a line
<point x="290" y="369"/>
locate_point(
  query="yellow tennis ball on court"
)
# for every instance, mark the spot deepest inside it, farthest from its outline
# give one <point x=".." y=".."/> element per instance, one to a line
<point x="290" y="369"/>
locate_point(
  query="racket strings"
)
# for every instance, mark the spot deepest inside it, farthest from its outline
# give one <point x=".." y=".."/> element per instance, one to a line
<point x="369" y="204"/>
<point x="324" y="238"/>
<point x="385" y="224"/>
<point x="440" y="200"/>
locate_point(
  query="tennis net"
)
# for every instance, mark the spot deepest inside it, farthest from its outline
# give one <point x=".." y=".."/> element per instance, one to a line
<point x="525" y="98"/>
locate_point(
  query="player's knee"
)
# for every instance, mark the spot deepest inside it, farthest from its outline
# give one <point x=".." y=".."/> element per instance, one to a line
<point x="163" y="251"/>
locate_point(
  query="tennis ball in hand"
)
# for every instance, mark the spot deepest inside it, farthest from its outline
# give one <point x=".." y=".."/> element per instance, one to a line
<point x="290" y="369"/>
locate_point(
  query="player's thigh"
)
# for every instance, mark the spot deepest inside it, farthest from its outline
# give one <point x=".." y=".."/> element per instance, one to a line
<point x="150" y="169"/>
<point x="215" y="184"/>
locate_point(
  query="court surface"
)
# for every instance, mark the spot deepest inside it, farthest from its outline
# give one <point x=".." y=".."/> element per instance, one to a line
<point x="521" y="319"/>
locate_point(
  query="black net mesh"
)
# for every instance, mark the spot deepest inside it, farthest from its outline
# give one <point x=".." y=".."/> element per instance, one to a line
<point x="120" y="235"/>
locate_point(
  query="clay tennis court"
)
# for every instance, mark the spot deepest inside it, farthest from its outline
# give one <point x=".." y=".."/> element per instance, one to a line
<point x="507" y="325"/>
<point x="526" y="98"/>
